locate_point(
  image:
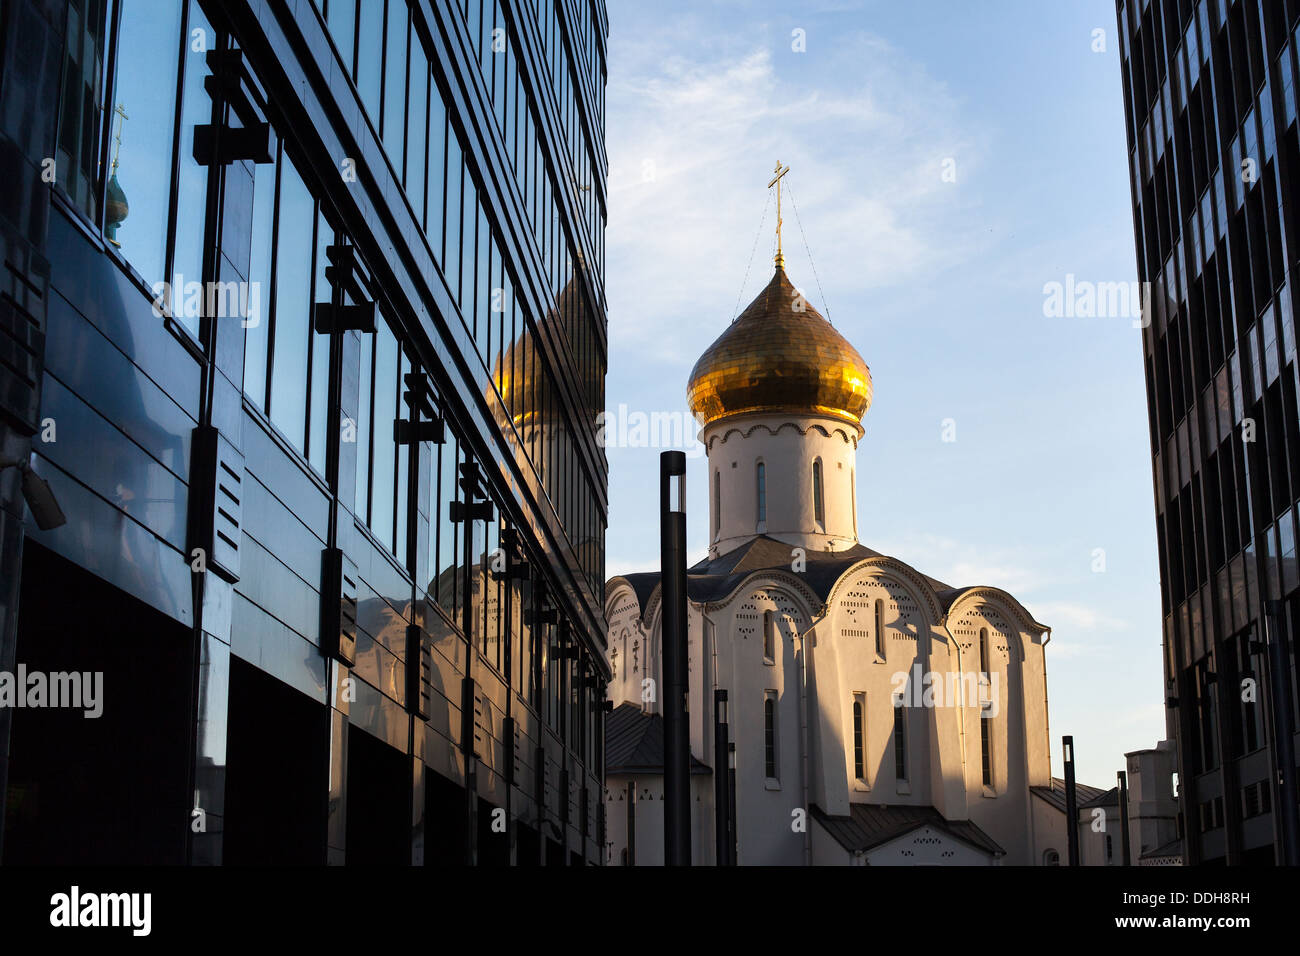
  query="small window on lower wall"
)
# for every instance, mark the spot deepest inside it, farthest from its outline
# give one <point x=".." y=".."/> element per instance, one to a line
<point x="986" y="749"/>
<point x="879" y="628"/>
<point x="771" y="753"/>
<point x="900" y="740"/>
<point x="860" y="738"/>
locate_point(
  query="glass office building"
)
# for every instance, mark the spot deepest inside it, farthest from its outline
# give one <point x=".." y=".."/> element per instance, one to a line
<point x="1210" y="97"/>
<point x="302" y="320"/>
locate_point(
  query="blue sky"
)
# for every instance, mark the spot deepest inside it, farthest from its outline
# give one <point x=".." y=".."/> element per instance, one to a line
<point x="939" y="284"/>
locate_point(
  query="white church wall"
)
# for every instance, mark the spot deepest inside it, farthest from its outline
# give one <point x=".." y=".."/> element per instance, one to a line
<point x="846" y="662"/>
<point x="1018" y="724"/>
<point x="926" y="846"/>
<point x="649" y="819"/>
<point x="950" y="743"/>
<point x="1100" y="837"/>
<point x="627" y="645"/>
<point x="1047" y="830"/>
<point x="832" y="738"/>
<point x="699" y="684"/>
<point x="826" y="850"/>
<point x="765" y="805"/>
<point x="872" y="678"/>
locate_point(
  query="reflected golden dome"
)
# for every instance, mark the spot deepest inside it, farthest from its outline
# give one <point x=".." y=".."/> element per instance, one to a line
<point x="518" y="376"/>
<point x="780" y="355"/>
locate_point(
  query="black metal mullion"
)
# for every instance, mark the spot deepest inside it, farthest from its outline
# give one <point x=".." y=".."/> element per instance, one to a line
<point x="169" y="258"/>
<point x="370" y="441"/>
<point x="397" y="448"/>
<point x="271" y="298"/>
<point x="316" y="218"/>
<point x="112" y="31"/>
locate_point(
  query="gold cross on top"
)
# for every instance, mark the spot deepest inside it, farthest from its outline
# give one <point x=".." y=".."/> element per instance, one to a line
<point x="776" y="181"/>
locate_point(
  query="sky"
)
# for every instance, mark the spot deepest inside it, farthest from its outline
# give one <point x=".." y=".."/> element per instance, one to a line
<point x="948" y="161"/>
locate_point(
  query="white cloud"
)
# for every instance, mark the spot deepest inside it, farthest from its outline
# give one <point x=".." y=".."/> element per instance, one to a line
<point x="963" y="565"/>
<point x="1077" y="618"/>
<point x="693" y="136"/>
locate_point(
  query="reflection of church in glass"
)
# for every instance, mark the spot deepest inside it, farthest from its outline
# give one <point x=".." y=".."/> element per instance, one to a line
<point x="267" y="481"/>
<point x="878" y="715"/>
<point x="529" y="402"/>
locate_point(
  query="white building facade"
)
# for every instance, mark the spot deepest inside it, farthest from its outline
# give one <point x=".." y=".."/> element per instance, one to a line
<point x="878" y="716"/>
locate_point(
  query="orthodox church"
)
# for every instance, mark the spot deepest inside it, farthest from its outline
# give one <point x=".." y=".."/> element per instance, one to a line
<point x="875" y="715"/>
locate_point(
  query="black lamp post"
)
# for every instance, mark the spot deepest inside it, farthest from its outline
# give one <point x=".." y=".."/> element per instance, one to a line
<point x="721" y="780"/>
<point x="733" y="852"/>
<point x="672" y="556"/>
<point x="1122" y="776"/>
<point x="1071" y="804"/>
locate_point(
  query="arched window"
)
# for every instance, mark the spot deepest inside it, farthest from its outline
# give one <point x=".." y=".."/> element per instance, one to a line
<point x="853" y="498"/>
<point x="859" y="762"/>
<point x="762" y="492"/>
<point x="900" y="739"/>
<point x="717" y="503"/>
<point x="1051" y="858"/>
<point x="880" y="628"/>
<point x="769" y="735"/>
<point x="769" y="637"/>
<point x="819" y="506"/>
<point x="986" y="749"/>
<point x="984" y="652"/>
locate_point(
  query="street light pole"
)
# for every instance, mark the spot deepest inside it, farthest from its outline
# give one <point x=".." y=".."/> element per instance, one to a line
<point x="1071" y="804"/>
<point x="1122" y="776"/>
<point x="677" y="746"/>
<point x="721" y="780"/>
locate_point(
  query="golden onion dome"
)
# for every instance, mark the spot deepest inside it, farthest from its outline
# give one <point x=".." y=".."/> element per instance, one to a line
<point x="780" y="355"/>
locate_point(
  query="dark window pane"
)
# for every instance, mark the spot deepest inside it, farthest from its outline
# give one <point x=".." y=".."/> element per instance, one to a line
<point x="452" y="218"/>
<point x="468" y="251"/>
<point x="81" y="105"/>
<point x="362" y="508"/>
<point x="769" y="736"/>
<point x="403" y="463"/>
<point x="370" y="56"/>
<point x="857" y="740"/>
<point x="381" y="507"/>
<point x="342" y="23"/>
<point x="149" y="43"/>
<point x="483" y="304"/>
<point x="416" y="118"/>
<point x="192" y="188"/>
<point x="448" y="533"/>
<point x="900" y="742"/>
<point x="259" y="293"/>
<point x="395" y="82"/>
<point x="320" y="354"/>
<point x="437" y="169"/>
<point x="292" y="294"/>
<point x="435" y="467"/>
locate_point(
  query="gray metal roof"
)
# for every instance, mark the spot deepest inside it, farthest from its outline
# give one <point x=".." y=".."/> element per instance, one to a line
<point x="869" y="825"/>
<point x="1172" y="848"/>
<point x="1085" y="795"/>
<point x="634" y="742"/>
<point x="713" y="580"/>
